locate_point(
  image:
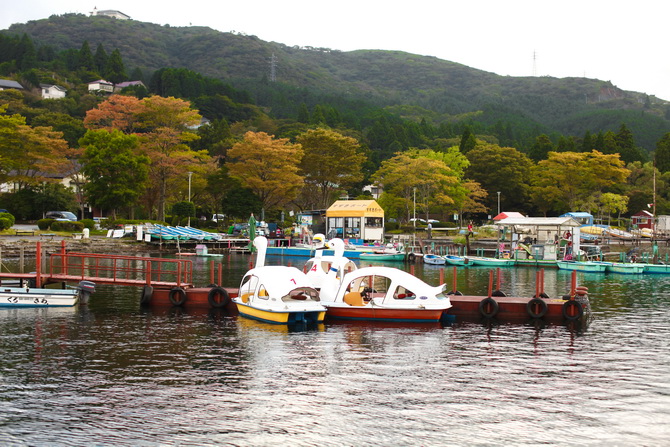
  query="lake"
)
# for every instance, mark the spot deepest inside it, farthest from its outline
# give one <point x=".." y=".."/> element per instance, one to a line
<point x="112" y="373"/>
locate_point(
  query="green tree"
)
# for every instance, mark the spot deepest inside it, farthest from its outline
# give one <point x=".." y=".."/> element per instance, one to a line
<point x="541" y="148"/>
<point x="116" y="173"/>
<point x="503" y="169"/>
<point x="86" y="61"/>
<point x="115" y="71"/>
<point x="662" y="155"/>
<point x="468" y="141"/>
<point x="556" y="185"/>
<point x="100" y="59"/>
<point x="332" y="162"/>
<point x="417" y="173"/>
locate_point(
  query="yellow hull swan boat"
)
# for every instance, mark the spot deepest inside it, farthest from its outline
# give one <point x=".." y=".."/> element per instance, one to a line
<point x="277" y="294"/>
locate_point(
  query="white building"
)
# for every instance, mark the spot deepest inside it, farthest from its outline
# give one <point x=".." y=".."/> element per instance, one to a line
<point x="110" y="13"/>
<point x="101" y="86"/>
<point x="52" y="91"/>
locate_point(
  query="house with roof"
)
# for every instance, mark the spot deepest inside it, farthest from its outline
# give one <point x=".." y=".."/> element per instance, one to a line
<point x="110" y="13"/>
<point x="101" y="86"/>
<point x="121" y="85"/>
<point x="642" y="219"/>
<point x="50" y="91"/>
<point x="6" y="84"/>
<point x="361" y="220"/>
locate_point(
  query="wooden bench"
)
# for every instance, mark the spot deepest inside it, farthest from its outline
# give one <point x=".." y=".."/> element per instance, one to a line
<point x="49" y="236"/>
<point x="77" y="235"/>
<point x="26" y="232"/>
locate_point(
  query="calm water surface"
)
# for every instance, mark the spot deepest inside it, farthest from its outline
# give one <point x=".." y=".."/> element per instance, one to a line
<point x="112" y="373"/>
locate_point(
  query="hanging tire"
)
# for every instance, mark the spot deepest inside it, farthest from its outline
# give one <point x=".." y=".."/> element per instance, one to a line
<point x="147" y="293"/>
<point x="177" y="296"/>
<point x="411" y="258"/>
<point x="218" y="297"/>
<point x="572" y="310"/>
<point x="537" y="308"/>
<point x="544" y="295"/>
<point x="456" y="293"/>
<point x="488" y="307"/>
<point x="498" y="293"/>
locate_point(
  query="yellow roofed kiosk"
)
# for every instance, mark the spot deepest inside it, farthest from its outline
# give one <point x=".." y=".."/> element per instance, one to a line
<point x="356" y="220"/>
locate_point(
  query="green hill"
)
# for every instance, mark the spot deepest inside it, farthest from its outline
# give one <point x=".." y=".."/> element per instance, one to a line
<point x="438" y="91"/>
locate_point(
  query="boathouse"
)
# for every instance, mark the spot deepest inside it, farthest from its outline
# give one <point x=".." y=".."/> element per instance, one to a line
<point x="539" y="237"/>
<point x="356" y="220"/>
<point x="642" y="219"/>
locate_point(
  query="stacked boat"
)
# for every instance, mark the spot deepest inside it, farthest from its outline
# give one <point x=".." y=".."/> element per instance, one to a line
<point x="179" y="233"/>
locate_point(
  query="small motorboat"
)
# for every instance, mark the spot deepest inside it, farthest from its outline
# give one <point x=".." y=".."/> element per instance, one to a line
<point x="278" y="294"/>
<point x="45" y="297"/>
<point x="456" y="260"/>
<point x="584" y="266"/>
<point x="490" y="262"/>
<point x="434" y="260"/>
<point x="385" y="294"/>
<point x="381" y="256"/>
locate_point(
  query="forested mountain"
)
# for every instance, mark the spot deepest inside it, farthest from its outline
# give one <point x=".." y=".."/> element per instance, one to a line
<point x="514" y="110"/>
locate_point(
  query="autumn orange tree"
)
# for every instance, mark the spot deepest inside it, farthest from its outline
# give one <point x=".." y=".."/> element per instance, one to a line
<point x="164" y="127"/>
<point x="29" y="154"/>
<point x="268" y="166"/>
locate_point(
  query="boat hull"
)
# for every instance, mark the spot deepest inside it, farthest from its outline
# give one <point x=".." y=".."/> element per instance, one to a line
<point x="626" y="268"/>
<point x="656" y="268"/>
<point x="588" y="267"/>
<point x="491" y="262"/>
<point x="20" y="297"/>
<point x="395" y="257"/>
<point x="434" y="260"/>
<point x="281" y="317"/>
<point x="384" y="314"/>
<point x="456" y="260"/>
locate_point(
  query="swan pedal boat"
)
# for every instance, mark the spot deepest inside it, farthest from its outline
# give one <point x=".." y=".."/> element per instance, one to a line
<point x="319" y="267"/>
<point x="277" y="294"/>
<point x="385" y="294"/>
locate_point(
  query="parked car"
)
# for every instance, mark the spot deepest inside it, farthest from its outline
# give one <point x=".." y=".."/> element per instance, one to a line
<point x="61" y="215"/>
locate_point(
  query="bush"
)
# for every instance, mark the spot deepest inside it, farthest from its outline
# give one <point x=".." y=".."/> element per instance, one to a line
<point x="44" y="224"/>
<point x="58" y="225"/>
<point x="88" y="223"/>
<point x="5" y="224"/>
<point x="9" y="217"/>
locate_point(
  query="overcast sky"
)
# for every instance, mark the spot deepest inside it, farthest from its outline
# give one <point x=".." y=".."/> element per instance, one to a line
<point x="612" y="40"/>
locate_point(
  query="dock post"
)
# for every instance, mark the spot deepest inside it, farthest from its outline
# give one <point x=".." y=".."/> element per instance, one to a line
<point x="220" y="274"/>
<point x="38" y="264"/>
<point x="148" y="272"/>
<point x="490" y="283"/>
<point x="21" y="257"/>
<point x="211" y="272"/>
<point x="441" y="275"/>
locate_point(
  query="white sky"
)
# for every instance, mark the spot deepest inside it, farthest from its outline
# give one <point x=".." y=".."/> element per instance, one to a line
<point x="612" y="40"/>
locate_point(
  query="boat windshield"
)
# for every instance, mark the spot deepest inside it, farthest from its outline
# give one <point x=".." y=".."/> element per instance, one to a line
<point x="302" y="294"/>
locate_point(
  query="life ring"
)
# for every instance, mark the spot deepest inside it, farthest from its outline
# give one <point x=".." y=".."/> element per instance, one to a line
<point x="572" y="310"/>
<point x="147" y="293"/>
<point x="488" y="307"/>
<point x="537" y="308"/>
<point x="215" y="301"/>
<point x="177" y="296"/>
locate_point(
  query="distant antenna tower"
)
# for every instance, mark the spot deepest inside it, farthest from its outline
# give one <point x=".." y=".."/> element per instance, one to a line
<point x="273" y="68"/>
<point x="534" y="63"/>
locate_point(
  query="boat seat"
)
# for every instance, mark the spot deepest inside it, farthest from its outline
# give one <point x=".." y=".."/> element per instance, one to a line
<point x="354" y="299"/>
<point x="245" y="297"/>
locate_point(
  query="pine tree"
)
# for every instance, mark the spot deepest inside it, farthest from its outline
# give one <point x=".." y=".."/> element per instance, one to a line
<point x="86" y="61"/>
<point x="115" y="71"/>
<point x="662" y="157"/>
